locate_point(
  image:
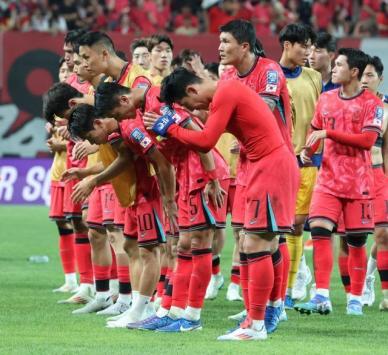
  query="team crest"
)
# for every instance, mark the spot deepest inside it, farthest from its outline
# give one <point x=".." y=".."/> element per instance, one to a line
<point x="272" y="77"/>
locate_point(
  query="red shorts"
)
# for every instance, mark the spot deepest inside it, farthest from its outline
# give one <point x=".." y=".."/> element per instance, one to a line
<point x="71" y="210"/>
<point x="195" y="214"/>
<point x="381" y="197"/>
<point x="101" y="206"/>
<point x="144" y="223"/>
<point x="119" y="213"/>
<point x="271" y="188"/>
<point x="357" y="214"/>
<point x="238" y="211"/>
<point x="57" y="191"/>
<point x="231" y="194"/>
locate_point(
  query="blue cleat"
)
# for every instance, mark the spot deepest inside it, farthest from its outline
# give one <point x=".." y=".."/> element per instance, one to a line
<point x="181" y="325"/>
<point x="271" y="319"/>
<point x="354" y="308"/>
<point x="319" y="304"/>
<point x="289" y="303"/>
<point x="155" y="322"/>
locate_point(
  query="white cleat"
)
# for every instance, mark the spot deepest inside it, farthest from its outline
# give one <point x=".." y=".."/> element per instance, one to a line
<point x="123" y="321"/>
<point x="215" y="284"/>
<point x="313" y="290"/>
<point x="66" y="288"/>
<point x="303" y="278"/>
<point x="233" y="292"/>
<point x="241" y="334"/>
<point x="383" y="307"/>
<point x="114" y="309"/>
<point x="368" y="293"/>
<point x="98" y="304"/>
<point x="84" y="295"/>
<point x="239" y="317"/>
<point x="115" y="318"/>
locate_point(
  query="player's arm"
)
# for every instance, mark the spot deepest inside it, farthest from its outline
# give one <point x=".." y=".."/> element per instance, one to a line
<point x="82" y="149"/>
<point x="56" y="145"/>
<point x="81" y="173"/>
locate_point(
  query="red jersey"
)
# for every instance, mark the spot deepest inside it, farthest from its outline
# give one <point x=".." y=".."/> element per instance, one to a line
<point x="346" y="171"/>
<point x="73" y="81"/>
<point x="245" y="116"/>
<point x="267" y="79"/>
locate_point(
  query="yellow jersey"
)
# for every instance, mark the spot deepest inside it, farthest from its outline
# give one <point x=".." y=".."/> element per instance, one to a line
<point x="223" y="146"/>
<point x="59" y="163"/>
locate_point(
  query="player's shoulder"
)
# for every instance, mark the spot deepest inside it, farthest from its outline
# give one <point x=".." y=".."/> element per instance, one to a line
<point x="369" y="97"/>
<point x="310" y="71"/>
<point x="229" y="73"/>
<point x="267" y="63"/>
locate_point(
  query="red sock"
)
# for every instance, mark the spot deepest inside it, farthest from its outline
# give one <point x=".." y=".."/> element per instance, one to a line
<point x="261" y="280"/>
<point x="66" y="250"/>
<point x="344" y="271"/>
<point x="357" y="269"/>
<point x="101" y="275"/>
<point x="167" y="296"/>
<point x="244" y="279"/>
<point x="162" y="279"/>
<point x="113" y="268"/>
<point x="382" y="266"/>
<point x="235" y="274"/>
<point x="286" y="266"/>
<point x="216" y="265"/>
<point x="124" y="279"/>
<point x="323" y="260"/>
<point x="277" y="262"/>
<point x="182" y="277"/>
<point x="83" y="257"/>
<point x="200" y="277"/>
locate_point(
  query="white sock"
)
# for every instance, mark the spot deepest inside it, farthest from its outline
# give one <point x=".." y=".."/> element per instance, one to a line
<point x="71" y="279"/>
<point x="135" y="295"/>
<point x="289" y="292"/>
<point x="276" y="303"/>
<point x="114" y="286"/>
<point x="372" y="266"/>
<point x="83" y="287"/>
<point x="323" y="292"/>
<point x="257" y="325"/>
<point x="176" y="312"/>
<point x="354" y="297"/>
<point x="124" y="298"/>
<point x="139" y="306"/>
<point x="162" y="312"/>
<point x="192" y="313"/>
<point x="102" y="295"/>
<point x="302" y="264"/>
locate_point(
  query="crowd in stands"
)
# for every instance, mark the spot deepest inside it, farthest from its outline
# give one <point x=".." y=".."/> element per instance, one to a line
<point x="360" y="18"/>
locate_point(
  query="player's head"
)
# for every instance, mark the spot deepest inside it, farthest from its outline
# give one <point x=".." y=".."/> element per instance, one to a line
<point x="114" y="100"/>
<point x="296" y="40"/>
<point x="80" y="68"/>
<point x="58" y="100"/>
<point x="160" y="47"/>
<point x="140" y="53"/>
<point x="322" y="51"/>
<point x="85" y="124"/>
<point x="349" y="65"/>
<point x="373" y="74"/>
<point x="63" y="70"/>
<point x="212" y="70"/>
<point x="71" y="40"/>
<point x="96" y="48"/>
<point x="187" y="89"/>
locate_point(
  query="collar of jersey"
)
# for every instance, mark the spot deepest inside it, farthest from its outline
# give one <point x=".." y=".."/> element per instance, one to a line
<point x="292" y="73"/>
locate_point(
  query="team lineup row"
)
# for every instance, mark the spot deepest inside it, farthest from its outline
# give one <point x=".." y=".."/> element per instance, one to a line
<point x="149" y="159"/>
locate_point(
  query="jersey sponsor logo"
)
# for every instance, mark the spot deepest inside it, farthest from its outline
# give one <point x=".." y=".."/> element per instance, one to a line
<point x="272" y="77"/>
<point x="379" y="114"/>
<point x="140" y="138"/>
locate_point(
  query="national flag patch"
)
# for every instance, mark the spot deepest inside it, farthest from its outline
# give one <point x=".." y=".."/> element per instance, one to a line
<point x="271" y="88"/>
<point x="379" y="114"/>
<point x="140" y="138"/>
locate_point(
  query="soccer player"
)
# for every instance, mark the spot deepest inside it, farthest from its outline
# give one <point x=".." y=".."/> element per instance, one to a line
<point x="64" y="71"/>
<point x="272" y="174"/>
<point x="349" y="120"/>
<point x="160" y="47"/>
<point x="140" y="53"/>
<point x="304" y="86"/>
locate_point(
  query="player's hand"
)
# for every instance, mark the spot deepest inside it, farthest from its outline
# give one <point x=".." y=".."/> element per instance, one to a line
<point x="171" y="211"/>
<point x="149" y="119"/>
<point x="82" y="190"/>
<point x="305" y="156"/>
<point x="315" y="137"/>
<point x="54" y="145"/>
<point x="195" y="65"/>
<point x="73" y="173"/>
<point x="49" y="127"/>
<point x="235" y="147"/>
<point x="216" y="193"/>
<point x="63" y="132"/>
<point x="82" y="149"/>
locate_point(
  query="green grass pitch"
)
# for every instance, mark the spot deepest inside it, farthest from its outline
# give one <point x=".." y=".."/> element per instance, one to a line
<point x="31" y="321"/>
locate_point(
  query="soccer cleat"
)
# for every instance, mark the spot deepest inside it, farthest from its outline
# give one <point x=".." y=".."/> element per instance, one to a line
<point x="283" y="315"/>
<point x="313" y="290"/>
<point x="368" y="293"/>
<point x="123" y="321"/>
<point x="303" y="278"/>
<point x="354" y="308"/>
<point x="289" y="303"/>
<point x="271" y="319"/>
<point x="157" y="303"/>
<point x="96" y="305"/>
<point x="138" y="325"/>
<point x="65" y="288"/>
<point x="245" y="334"/>
<point x="383" y="307"/>
<point x="114" y="309"/>
<point x="233" y="292"/>
<point x="215" y="284"/>
<point x="239" y="317"/>
<point x="155" y="322"/>
<point x="114" y="318"/>
<point x="181" y="325"/>
<point x="84" y="295"/>
<point x="318" y="304"/>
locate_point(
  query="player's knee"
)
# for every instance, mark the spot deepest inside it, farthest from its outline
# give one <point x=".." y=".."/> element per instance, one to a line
<point x="317" y="232"/>
<point x="131" y="248"/>
<point x="356" y="240"/>
<point x="79" y="226"/>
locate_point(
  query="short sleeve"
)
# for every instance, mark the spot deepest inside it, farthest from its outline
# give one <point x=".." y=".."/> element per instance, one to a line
<point x="139" y="139"/>
<point x="317" y="123"/>
<point x="270" y="82"/>
<point x="373" y="118"/>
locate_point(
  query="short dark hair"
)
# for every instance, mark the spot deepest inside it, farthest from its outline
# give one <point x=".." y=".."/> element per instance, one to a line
<point x="73" y="36"/>
<point x="60" y="62"/>
<point x="356" y="58"/>
<point x="157" y="39"/>
<point x="139" y="42"/>
<point x="56" y="100"/>
<point x="81" y="120"/>
<point x="122" y="55"/>
<point x="212" y="68"/>
<point x="177" y="61"/>
<point x="96" y="37"/>
<point x="377" y="64"/>
<point x="107" y="97"/>
<point x="174" y="86"/>
<point x="326" y="41"/>
<point x="296" y="33"/>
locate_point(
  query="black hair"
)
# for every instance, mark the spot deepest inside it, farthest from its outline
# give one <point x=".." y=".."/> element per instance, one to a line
<point x="56" y="100"/>
<point x="326" y="41"/>
<point x="377" y="64"/>
<point x="356" y="58"/>
<point x="296" y="33"/>
<point x="173" y="86"/>
<point x="73" y="36"/>
<point x="139" y="42"/>
<point x="177" y="61"/>
<point x="212" y="68"/>
<point x="81" y="120"/>
<point x="96" y="37"/>
<point x="156" y="39"/>
<point x="60" y="62"/>
<point x="107" y="97"/>
<point x="122" y="55"/>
